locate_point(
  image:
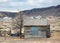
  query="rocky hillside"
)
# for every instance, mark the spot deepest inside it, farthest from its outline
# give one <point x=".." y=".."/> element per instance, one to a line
<point x="9" y="14"/>
<point x="44" y="12"/>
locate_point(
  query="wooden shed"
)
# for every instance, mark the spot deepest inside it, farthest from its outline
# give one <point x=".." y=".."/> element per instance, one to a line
<point x="36" y="28"/>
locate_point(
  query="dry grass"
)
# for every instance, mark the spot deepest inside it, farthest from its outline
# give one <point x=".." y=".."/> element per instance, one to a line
<point x="33" y="40"/>
<point x="55" y="38"/>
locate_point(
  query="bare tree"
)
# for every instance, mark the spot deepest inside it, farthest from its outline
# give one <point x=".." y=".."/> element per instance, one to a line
<point x="18" y="22"/>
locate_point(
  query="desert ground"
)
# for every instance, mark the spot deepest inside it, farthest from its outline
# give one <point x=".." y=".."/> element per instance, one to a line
<point x="55" y="38"/>
<point x="30" y="40"/>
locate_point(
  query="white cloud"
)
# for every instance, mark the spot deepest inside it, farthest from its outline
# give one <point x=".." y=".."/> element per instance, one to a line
<point x="3" y="0"/>
<point x="38" y="2"/>
<point x="16" y="3"/>
<point x="34" y="3"/>
<point x="27" y="4"/>
<point x="10" y="10"/>
<point x="30" y="2"/>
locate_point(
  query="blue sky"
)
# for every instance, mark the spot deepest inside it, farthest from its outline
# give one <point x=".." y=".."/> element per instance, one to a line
<point x="19" y="5"/>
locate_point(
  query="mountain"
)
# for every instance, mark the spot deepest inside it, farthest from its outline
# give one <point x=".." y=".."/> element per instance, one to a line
<point x="8" y="14"/>
<point x="44" y="12"/>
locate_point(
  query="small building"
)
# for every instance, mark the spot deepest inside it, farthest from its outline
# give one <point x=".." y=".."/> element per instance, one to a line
<point x="36" y="28"/>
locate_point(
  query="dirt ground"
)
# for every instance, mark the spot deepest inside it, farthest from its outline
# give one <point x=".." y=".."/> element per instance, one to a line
<point x="30" y="40"/>
<point x="55" y="38"/>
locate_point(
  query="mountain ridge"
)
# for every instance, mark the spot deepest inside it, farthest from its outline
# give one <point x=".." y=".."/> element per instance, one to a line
<point x="44" y="12"/>
<point x="49" y="11"/>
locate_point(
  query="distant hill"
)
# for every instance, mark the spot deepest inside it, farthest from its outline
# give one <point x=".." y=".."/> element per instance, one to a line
<point x="44" y="12"/>
<point x="9" y="14"/>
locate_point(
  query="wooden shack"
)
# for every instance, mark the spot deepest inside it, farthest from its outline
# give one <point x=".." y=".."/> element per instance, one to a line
<point x="36" y="28"/>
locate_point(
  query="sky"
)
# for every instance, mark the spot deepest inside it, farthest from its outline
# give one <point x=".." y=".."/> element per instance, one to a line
<point x="19" y="5"/>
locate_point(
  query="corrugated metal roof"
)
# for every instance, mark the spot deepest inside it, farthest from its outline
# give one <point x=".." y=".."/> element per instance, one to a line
<point x="35" y="22"/>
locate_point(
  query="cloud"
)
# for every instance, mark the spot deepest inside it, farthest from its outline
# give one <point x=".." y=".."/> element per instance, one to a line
<point x="16" y="3"/>
<point x="10" y="10"/>
<point x="34" y="3"/>
<point x="26" y="4"/>
<point x="3" y="0"/>
<point x="39" y="2"/>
